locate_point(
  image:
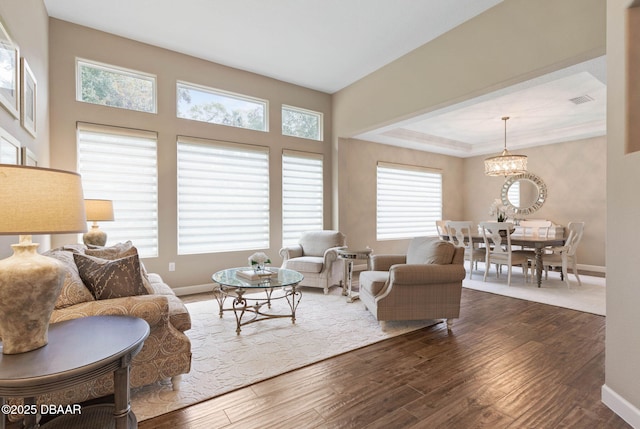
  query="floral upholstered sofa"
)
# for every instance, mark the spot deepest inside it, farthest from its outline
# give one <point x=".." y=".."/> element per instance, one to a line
<point x="129" y="291"/>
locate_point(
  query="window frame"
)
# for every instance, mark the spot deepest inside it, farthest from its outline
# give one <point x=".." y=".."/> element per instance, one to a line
<point x="117" y="70"/>
<point x="408" y="184"/>
<point x="304" y="111"/>
<point x="225" y="94"/>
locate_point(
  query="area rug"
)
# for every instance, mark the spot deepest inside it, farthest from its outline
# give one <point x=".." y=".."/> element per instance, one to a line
<point x="590" y="297"/>
<point x="326" y="326"/>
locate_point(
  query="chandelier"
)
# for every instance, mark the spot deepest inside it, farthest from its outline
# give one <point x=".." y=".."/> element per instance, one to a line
<point x="505" y="164"/>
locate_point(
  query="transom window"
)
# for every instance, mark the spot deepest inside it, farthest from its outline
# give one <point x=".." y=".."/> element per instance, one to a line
<point x="303" y="123"/>
<point x="409" y="201"/>
<point x="113" y="86"/>
<point x="302" y="195"/>
<point x="120" y="164"/>
<point x="201" y="103"/>
<point x="223" y="196"/>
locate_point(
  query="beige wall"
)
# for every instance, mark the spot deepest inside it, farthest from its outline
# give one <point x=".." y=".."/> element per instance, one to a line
<point x="358" y="160"/>
<point x="69" y="41"/>
<point x="27" y="23"/>
<point x="575" y="175"/>
<point x="622" y="383"/>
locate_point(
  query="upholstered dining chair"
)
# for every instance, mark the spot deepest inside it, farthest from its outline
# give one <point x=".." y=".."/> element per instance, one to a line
<point x="316" y="258"/>
<point x="425" y="283"/>
<point x="497" y="241"/>
<point x="565" y="255"/>
<point x="460" y="234"/>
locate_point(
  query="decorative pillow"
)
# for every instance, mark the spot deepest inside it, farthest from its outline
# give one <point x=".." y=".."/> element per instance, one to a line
<point x="118" y="251"/>
<point x="107" y="279"/>
<point x="430" y="250"/>
<point x="73" y="290"/>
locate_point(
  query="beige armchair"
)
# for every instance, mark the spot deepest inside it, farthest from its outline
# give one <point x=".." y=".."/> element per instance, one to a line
<point x="426" y="283"/>
<point x="316" y="257"/>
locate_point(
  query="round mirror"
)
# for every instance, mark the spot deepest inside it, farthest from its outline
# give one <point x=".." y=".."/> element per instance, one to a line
<point x="524" y="193"/>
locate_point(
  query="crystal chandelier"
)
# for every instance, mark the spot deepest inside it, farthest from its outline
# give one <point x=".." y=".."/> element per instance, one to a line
<point x="505" y="164"/>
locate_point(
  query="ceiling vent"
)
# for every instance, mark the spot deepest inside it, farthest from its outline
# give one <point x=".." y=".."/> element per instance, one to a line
<point x="582" y="99"/>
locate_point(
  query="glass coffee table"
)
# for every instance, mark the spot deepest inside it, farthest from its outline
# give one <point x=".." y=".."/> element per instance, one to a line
<point x="274" y="284"/>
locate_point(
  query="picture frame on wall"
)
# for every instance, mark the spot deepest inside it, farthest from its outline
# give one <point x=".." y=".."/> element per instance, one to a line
<point x="28" y="98"/>
<point x="9" y="73"/>
<point x="28" y="157"/>
<point x="10" y="151"/>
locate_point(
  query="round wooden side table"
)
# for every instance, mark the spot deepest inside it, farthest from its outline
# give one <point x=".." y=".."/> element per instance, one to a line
<point x="78" y="350"/>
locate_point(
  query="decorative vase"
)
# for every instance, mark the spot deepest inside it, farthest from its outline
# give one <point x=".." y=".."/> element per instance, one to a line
<point x="29" y="287"/>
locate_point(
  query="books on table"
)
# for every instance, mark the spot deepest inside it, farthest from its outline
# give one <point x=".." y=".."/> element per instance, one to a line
<point x="251" y="274"/>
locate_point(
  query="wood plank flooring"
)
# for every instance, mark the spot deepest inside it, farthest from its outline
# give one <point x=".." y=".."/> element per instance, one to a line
<point x="507" y="363"/>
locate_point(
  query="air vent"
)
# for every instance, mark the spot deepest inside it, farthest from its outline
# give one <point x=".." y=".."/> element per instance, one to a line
<point x="582" y="99"/>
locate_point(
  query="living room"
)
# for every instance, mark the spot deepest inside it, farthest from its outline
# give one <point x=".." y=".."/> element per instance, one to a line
<point x="53" y="45"/>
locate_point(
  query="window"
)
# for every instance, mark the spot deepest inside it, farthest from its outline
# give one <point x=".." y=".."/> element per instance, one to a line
<point x="115" y="87"/>
<point x="302" y="195"/>
<point x="200" y="103"/>
<point x="303" y="123"/>
<point x="409" y="201"/>
<point x="121" y="165"/>
<point x="223" y="196"/>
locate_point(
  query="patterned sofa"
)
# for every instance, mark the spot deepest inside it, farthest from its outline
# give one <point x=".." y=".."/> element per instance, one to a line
<point x="166" y="353"/>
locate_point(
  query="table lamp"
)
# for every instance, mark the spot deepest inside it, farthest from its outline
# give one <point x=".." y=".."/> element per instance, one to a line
<point x="97" y="210"/>
<point x="34" y="200"/>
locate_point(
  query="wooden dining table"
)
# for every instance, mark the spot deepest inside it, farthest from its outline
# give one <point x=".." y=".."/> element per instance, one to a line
<point x="537" y="243"/>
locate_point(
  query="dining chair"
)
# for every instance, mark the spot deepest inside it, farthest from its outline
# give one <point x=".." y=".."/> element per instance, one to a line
<point x="538" y="228"/>
<point x="565" y="255"/>
<point x="460" y="235"/>
<point x="497" y="241"/>
<point x="441" y="227"/>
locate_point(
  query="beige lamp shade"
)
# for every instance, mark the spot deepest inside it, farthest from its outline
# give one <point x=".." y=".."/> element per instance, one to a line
<point x="99" y="210"/>
<point x="40" y="201"/>
<point x="34" y="201"/>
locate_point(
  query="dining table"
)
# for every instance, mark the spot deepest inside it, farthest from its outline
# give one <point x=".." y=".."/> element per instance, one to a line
<point x="528" y="241"/>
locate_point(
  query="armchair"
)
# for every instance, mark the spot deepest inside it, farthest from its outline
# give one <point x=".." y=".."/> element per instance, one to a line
<point x="316" y="257"/>
<point x="426" y="283"/>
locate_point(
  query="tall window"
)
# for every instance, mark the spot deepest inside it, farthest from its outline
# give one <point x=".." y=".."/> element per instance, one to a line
<point x="115" y="86"/>
<point x="223" y="196"/>
<point x="302" y="195"/>
<point x="121" y="165"/>
<point x="409" y="201"/>
<point x="302" y="123"/>
<point x="201" y="103"/>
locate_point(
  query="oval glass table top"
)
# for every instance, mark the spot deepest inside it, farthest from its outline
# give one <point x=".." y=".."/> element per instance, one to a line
<point x="280" y="277"/>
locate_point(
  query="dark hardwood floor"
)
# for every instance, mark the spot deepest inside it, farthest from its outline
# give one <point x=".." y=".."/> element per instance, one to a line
<point x="507" y="363"/>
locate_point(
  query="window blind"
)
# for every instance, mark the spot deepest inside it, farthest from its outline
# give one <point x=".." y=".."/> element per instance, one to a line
<point x="120" y="164"/>
<point x="409" y="201"/>
<point x="223" y="196"/>
<point x="302" y="195"/>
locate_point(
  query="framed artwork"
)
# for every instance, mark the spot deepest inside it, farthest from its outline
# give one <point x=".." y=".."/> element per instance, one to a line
<point x="9" y="73"/>
<point x="9" y="149"/>
<point x="28" y="157"/>
<point x="28" y="98"/>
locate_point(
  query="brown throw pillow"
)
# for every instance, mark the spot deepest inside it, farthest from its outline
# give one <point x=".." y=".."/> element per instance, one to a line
<point x="118" y="251"/>
<point x="107" y="279"/>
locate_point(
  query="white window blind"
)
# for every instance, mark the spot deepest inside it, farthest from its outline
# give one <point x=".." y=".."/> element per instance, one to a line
<point x="409" y="201"/>
<point x="302" y="195"/>
<point x="120" y="164"/>
<point x="223" y="196"/>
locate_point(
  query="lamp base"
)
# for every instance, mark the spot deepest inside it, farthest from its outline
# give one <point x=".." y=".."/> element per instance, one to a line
<point x="29" y="287"/>
<point x="95" y="236"/>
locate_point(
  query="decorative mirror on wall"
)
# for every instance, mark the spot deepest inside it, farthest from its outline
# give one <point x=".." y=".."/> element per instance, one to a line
<point x="524" y="193"/>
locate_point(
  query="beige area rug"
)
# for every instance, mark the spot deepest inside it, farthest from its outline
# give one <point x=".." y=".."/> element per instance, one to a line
<point x="590" y="297"/>
<point x="326" y="325"/>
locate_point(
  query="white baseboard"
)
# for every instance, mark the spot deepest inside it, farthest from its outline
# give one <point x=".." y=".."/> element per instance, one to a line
<point x="621" y="406"/>
<point x="190" y="290"/>
<point x="594" y="268"/>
